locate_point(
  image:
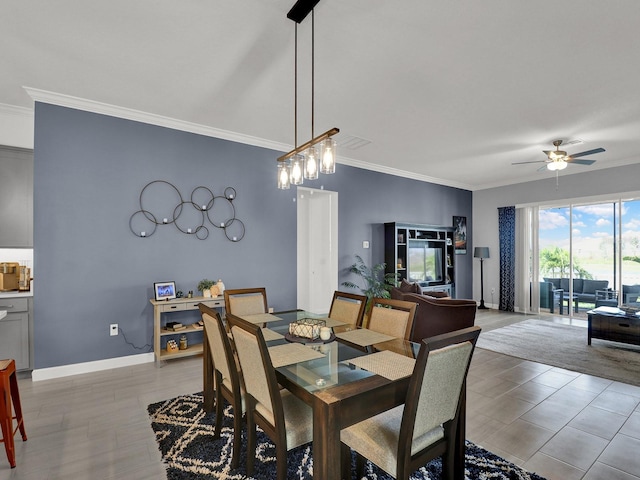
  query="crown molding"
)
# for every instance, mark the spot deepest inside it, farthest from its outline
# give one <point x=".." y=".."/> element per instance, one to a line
<point x="83" y="104"/>
<point x="93" y="106"/>
<point x="401" y="173"/>
<point x="15" y="110"/>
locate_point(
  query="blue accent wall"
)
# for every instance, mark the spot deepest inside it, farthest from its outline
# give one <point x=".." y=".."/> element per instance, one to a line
<point x="91" y="271"/>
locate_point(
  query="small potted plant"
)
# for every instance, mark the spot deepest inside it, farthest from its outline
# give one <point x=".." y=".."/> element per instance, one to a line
<point x="205" y="285"/>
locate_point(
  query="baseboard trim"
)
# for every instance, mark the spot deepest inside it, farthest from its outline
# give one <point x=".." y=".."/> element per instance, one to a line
<point x="90" y="367"/>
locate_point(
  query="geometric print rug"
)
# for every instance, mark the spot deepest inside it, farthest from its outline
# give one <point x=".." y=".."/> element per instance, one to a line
<point x="184" y="432"/>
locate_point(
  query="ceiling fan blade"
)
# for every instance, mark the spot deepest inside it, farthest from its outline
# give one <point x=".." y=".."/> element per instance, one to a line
<point x="530" y="161"/>
<point x="588" y="152"/>
<point x="547" y="152"/>
<point x="581" y="162"/>
<point x="542" y="169"/>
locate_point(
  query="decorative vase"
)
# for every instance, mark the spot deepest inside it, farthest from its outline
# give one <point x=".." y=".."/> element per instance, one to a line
<point x="206" y="292"/>
<point x="214" y="291"/>
<point x="220" y="286"/>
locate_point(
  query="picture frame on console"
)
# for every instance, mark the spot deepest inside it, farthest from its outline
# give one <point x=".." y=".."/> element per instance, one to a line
<point x="460" y="235"/>
<point x="164" y="290"/>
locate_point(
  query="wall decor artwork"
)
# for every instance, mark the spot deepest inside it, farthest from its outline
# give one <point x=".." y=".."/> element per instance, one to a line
<point x="162" y="204"/>
<point x="460" y="235"/>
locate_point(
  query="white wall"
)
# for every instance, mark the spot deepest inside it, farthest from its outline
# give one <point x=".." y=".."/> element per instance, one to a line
<point x="486" y="203"/>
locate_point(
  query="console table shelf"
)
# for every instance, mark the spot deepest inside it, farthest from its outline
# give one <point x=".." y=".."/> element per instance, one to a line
<point x="162" y="308"/>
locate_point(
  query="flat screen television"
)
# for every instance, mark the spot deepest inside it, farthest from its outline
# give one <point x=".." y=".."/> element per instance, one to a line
<point x="426" y="262"/>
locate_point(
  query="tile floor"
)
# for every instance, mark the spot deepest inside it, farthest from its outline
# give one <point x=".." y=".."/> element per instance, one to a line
<point x="558" y="423"/>
<point x="561" y="424"/>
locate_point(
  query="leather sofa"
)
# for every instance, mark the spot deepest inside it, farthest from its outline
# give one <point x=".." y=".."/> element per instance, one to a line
<point x="437" y="314"/>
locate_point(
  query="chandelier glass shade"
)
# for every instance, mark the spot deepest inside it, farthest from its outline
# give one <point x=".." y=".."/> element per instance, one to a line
<point x="283" y="176"/>
<point x="297" y="168"/>
<point x="328" y="156"/>
<point x="311" y="163"/>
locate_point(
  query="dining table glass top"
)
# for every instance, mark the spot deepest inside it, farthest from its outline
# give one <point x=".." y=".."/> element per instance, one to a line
<point x="316" y="365"/>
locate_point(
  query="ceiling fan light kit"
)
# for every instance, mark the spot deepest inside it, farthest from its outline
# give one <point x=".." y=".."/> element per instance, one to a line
<point x="555" y="165"/>
<point x="559" y="159"/>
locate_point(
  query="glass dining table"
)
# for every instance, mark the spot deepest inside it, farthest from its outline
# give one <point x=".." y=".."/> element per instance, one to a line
<point x="353" y="376"/>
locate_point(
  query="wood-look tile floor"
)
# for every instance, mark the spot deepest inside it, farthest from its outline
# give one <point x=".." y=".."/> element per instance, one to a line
<point x="561" y="424"/>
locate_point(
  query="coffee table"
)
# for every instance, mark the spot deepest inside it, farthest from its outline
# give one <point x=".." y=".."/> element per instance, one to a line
<point x="611" y="324"/>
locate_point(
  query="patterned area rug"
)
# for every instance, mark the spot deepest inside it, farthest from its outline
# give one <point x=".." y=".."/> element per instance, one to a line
<point x="185" y="437"/>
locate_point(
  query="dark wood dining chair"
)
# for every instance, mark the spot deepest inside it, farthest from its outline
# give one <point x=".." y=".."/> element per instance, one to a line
<point x="348" y="308"/>
<point x="392" y="317"/>
<point x="227" y="376"/>
<point x="246" y="301"/>
<point x="407" y="437"/>
<point x="286" y="419"/>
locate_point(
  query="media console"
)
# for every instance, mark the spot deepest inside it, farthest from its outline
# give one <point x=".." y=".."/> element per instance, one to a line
<point x="615" y="327"/>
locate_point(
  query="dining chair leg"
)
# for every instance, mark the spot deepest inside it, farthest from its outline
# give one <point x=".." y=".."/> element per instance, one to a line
<point x="237" y="435"/>
<point x="345" y="461"/>
<point x="219" y="413"/>
<point x="360" y="464"/>
<point x="251" y="444"/>
<point x="281" y="461"/>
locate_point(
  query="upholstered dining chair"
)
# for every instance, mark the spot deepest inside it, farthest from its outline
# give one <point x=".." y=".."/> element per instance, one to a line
<point x="403" y="439"/>
<point x="348" y="308"/>
<point x="392" y="317"/>
<point x="287" y="420"/>
<point x="227" y="376"/>
<point x="246" y="301"/>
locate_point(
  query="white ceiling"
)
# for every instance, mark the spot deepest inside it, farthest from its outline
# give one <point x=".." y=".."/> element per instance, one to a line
<point x="450" y="90"/>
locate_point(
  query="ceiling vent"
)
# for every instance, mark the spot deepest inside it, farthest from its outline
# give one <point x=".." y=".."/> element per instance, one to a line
<point x="351" y="142"/>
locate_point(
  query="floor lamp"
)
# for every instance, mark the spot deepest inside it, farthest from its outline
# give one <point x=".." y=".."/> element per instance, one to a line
<point x="481" y="253"/>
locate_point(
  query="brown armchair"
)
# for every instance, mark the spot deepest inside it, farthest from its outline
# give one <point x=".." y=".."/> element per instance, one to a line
<point x="435" y="316"/>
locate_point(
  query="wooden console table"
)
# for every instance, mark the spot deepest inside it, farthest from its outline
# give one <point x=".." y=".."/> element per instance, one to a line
<point x="616" y="327"/>
<point x="179" y="305"/>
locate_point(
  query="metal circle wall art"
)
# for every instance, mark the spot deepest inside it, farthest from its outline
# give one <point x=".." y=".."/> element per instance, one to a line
<point x="161" y="203"/>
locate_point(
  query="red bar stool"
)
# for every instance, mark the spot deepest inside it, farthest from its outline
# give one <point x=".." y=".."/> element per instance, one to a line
<point x="9" y="391"/>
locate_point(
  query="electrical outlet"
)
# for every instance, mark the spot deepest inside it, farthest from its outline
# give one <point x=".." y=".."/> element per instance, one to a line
<point x="113" y="329"/>
<point x="493" y="290"/>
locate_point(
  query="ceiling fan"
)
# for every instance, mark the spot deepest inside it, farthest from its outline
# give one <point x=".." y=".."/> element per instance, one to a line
<point x="559" y="159"/>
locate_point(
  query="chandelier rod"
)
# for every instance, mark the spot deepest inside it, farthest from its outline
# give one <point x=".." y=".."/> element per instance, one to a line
<point x="313" y="76"/>
<point x="295" y="91"/>
<point x="313" y="141"/>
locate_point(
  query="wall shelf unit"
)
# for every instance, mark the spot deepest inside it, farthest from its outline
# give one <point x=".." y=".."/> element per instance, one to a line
<point x="422" y="254"/>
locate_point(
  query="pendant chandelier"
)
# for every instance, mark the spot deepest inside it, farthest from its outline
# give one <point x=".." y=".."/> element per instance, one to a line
<point x="318" y="155"/>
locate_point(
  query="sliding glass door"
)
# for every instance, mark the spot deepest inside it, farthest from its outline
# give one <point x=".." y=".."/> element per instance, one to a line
<point x="630" y="252"/>
<point x="589" y="256"/>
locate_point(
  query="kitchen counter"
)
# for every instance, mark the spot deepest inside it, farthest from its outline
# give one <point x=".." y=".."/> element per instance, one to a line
<point x="16" y="294"/>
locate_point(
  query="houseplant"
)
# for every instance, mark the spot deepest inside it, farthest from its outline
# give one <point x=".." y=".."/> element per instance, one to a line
<point x="376" y="282"/>
<point x="204" y="286"/>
